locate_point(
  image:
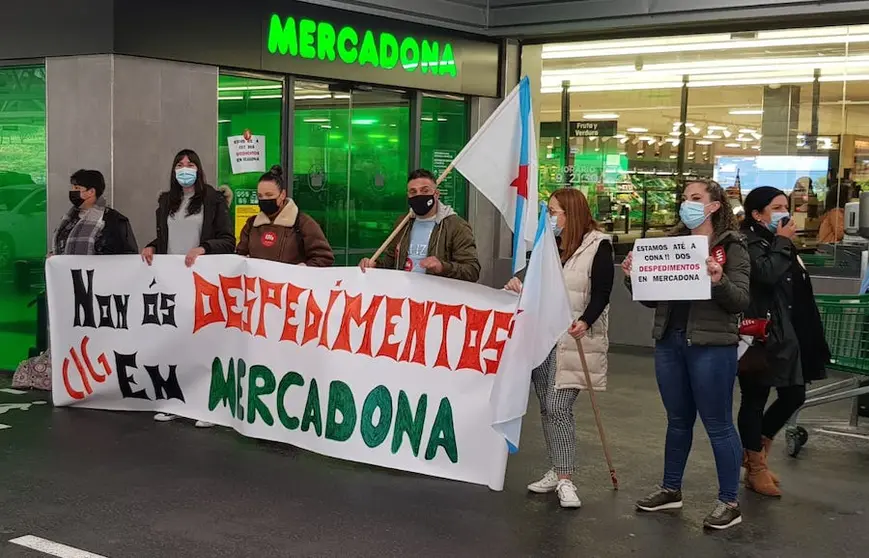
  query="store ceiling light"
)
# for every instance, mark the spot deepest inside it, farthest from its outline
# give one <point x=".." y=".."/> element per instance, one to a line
<point x="712" y="136"/>
<point x="316" y="120"/>
<point x="363" y="121"/>
<point x="733" y="145"/>
<point x="600" y="116"/>
<point x="695" y="130"/>
<point x="232" y="98"/>
<point x="746" y="112"/>
<point x="716" y="128"/>
<point x="709" y="42"/>
<point x="747" y="130"/>
<point x="638" y="130"/>
<point x="646" y="138"/>
<point x="619" y="136"/>
<point x="250" y="87"/>
<point x="676" y="133"/>
<point x="704" y="142"/>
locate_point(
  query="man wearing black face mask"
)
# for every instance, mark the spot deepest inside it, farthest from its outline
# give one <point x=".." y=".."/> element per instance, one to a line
<point x="90" y="227"/>
<point x="436" y="241"/>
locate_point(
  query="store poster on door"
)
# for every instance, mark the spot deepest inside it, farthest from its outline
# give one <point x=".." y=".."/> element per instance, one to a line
<point x="246" y="206"/>
<point x="247" y="153"/>
<point x="441" y="159"/>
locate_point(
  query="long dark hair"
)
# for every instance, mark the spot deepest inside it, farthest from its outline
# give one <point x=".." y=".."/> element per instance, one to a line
<point x="176" y="191"/>
<point x="723" y="220"/>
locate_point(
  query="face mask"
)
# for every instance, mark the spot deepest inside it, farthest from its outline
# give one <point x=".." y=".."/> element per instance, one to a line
<point x="186" y="177"/>
<point x="421" y="205"/>
<point x="269" y="207"/>
<point x="693" y="214"/>
<point x="553" y="220"/>
<point x="75" y="198"/>
<point x="776" y="219"/>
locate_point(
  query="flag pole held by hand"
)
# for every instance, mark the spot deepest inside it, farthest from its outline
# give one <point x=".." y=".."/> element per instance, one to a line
<point x="597" y="419"/>
<point x="407" y="218"/>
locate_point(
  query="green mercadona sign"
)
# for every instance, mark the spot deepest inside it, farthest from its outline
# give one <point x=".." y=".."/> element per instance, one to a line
<point x="320" y="40"/>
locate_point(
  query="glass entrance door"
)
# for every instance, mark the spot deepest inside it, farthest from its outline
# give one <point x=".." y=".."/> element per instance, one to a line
<point x="350" y="160"/>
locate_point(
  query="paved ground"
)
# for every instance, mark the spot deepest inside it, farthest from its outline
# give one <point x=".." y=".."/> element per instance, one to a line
<point x="122" y="486"/>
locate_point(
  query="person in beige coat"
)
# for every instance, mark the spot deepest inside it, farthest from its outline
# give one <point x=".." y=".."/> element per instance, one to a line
<point x="587" y="260"/>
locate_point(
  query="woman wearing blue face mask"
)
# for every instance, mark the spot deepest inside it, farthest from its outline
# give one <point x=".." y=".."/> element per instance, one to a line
<point x="795" y="351"/>
<point x="696" y="355"/>
<point x="192" y="220"/>
<point x="587" y="262"/>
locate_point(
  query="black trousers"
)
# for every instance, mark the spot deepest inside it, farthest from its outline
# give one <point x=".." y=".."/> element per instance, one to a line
<point x="756" y="421"/>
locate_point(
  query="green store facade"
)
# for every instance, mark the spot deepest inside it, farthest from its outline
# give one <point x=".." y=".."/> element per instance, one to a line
<point x="347" y="103"/>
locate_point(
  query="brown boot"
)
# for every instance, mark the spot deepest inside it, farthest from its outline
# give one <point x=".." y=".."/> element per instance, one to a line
<point x="767" y="445"/>
<point x="759" y="479"/>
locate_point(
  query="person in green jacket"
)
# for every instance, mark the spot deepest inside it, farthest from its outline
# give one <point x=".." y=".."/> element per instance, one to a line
<point x="696" y="355"/>
<point x="435" y="241"/>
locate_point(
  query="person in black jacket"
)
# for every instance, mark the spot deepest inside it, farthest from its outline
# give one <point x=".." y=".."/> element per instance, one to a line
<point x="795" y="352"/>
<point x="192" y="217"/>
<point x="91" y="227"/>
<point x="192" y="220"/>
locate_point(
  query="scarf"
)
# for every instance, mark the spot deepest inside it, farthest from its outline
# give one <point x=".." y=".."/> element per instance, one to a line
<point x="79" y="230"/>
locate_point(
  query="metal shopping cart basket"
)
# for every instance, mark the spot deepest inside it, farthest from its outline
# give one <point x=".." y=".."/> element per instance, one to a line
<point x="846" y="326"/>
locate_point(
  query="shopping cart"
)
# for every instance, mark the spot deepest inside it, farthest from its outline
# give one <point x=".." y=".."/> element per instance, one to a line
<point x="846" y="325"/>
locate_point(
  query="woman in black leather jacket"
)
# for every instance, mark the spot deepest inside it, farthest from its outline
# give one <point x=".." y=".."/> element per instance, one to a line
<point x="795" y="352"/>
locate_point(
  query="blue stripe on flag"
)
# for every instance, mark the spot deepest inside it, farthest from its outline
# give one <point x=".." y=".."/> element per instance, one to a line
<point x="518" y="233"/>
<point x="542" y="223"/>
<point x="524" y="113"/>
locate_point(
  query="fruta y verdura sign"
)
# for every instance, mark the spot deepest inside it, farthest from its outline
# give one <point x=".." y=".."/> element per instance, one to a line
<point x="321" y="40"/>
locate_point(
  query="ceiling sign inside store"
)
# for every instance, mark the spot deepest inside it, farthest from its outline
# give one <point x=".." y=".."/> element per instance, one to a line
<point x="582" y="129"/>
<point x="321" y="40"/>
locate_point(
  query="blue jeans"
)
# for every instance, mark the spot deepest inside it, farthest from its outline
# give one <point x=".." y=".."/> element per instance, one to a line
<point x="696" y="379"/>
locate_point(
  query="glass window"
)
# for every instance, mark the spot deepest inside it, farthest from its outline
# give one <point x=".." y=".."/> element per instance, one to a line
<point x="443" y="133"/>
<point x="350" y="160"/>
<point x="247" y="108"/>
<point x="783" y="108"/>
<point x="23" y="237"/>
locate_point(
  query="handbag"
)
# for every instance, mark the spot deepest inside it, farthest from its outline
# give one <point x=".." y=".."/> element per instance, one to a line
<point x="754" y="360"/>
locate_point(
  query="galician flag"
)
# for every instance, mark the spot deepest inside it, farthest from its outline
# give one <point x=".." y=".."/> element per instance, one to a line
<point x="542" y="317"/>
<point x="501" y="162"/>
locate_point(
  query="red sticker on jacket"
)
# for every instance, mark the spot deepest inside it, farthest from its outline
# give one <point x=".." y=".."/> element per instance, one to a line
<point x="268" y="239"/>
<point x="408" y="265"/>
<point x="719" y="255"/>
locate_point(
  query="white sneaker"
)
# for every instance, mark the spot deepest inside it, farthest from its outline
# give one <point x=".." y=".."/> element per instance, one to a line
<point x="203" y="424"/>
<point x="164" y="417"/>
<point x="567" y="494"/>
<point x="547" y="484"/>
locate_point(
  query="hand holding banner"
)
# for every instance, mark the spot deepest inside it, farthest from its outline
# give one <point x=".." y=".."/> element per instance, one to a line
<point x="387" y="368"/>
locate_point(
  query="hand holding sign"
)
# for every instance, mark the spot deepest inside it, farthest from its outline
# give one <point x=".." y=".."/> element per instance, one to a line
<point x="677" y="268"/>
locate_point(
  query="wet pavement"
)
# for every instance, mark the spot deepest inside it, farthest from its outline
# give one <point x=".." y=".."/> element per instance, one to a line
<point x="122" y="486"/>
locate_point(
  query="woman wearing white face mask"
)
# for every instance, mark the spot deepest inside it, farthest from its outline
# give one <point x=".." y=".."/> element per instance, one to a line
<point x="795" y="351"/>
<point x="587" y="262"/>
<point x="192" y="220"/>
<point x="696" y="355"/>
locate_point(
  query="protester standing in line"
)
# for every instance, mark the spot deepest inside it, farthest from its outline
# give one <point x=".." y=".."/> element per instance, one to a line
<point x="88" y="228"/>
<point x="192" y="220"/>
<point x="795" y="351"/>
<point x="587" y="263"/>
<point x="280" y="232"/>
<point x="696" y="356"/>
<point x="435" y="241"/>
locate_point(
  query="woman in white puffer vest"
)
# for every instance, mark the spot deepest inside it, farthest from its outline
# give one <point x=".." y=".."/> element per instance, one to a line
<point x="587" y="260"/>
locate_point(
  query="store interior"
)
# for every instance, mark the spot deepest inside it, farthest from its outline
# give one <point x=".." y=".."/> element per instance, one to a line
<point x="786" y="108"/>
<point x="351" y="153"/>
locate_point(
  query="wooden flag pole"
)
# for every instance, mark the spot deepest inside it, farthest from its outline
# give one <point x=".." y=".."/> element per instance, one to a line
<point x="597" y="419"/>
<point x="407" y="218"/>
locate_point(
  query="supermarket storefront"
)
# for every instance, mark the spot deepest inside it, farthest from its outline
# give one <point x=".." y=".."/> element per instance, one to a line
<point x="627" y="120"/>
<point x="347" y="103"/>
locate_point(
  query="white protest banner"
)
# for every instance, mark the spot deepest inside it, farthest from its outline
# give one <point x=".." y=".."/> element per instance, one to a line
<point x="671" y="268"/>
<point x="247" y="153"/>
<point x="386" y="368"/>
